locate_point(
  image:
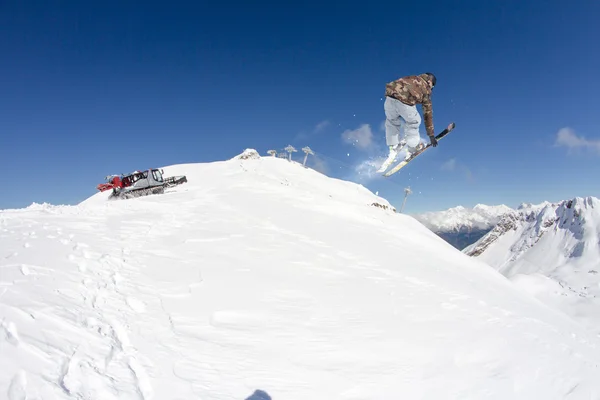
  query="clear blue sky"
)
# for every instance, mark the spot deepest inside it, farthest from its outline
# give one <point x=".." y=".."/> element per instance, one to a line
<point x="90" y="90"/>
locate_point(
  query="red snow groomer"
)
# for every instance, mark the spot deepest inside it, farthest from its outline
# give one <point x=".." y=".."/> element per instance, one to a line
<point x="139" y="183"/>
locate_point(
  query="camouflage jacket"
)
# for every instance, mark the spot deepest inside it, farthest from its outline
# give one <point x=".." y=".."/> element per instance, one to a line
<point x="413" y="90"/>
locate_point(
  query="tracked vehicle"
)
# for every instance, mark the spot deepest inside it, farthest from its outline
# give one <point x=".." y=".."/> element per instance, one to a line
<point x="139" y="183"/>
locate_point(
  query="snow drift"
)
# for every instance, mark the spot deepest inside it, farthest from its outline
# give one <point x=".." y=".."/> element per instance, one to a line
<point x="552" y="250"/>
<point x="260" y="278"/>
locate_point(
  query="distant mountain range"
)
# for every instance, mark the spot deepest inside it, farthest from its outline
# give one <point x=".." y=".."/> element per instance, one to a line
<point x="551" y="250"/>
<point x="543" y="237"/>
<point x="461" y="226"/>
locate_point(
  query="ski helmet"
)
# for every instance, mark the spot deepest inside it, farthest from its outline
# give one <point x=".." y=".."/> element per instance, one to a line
<point x="433" y="78"/>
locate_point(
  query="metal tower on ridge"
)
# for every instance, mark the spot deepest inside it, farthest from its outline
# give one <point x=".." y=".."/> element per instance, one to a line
<point x="407" y="191"/>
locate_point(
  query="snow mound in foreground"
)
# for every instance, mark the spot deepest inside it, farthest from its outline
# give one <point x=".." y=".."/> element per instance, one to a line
<point x="261" y="276"/>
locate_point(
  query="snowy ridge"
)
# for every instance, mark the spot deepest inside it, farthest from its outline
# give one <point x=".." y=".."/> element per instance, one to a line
<point x="556" y="243"/>
<point x="261" y="276"/>
<point x="459" y="218"/>
<point x="576" y="218"/>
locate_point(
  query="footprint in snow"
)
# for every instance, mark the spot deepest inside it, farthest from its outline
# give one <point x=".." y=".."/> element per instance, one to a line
<point x="79" y="246"/>
<point x="82" y="265"/>
<point x="10" y="332"/>
<point x="17" y="390"/>
<point x="142" y="379"/>
<point x="99" y="300"/>
<point x="122" y="344"/>
<point x="70" y="379"/>
<point x="116" y="278"/>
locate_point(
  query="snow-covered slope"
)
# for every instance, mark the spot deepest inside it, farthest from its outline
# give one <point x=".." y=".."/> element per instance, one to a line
<point x="461" y="226"/>
<point x="260" y="276"/>
<point x="552" y="249"/>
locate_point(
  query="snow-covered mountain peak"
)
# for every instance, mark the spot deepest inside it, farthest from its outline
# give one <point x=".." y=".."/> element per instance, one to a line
<point x="532" y="206"/>
<point x="575" y="216"/>
<point x="460" y="218"/>
<point x="554" y="250"/>
<point x="261" y="276"/>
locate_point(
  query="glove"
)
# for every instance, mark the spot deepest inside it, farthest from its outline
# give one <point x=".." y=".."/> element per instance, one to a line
<point x="433" y="141"/>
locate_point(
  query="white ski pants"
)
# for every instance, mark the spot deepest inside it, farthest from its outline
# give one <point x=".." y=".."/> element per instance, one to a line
<point x="395" y="112"/>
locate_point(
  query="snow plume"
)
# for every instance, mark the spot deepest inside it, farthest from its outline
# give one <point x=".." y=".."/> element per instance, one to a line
<point x="566" y="137"/>
<point x="371" y="156"/>
<point x="366" y="170"/>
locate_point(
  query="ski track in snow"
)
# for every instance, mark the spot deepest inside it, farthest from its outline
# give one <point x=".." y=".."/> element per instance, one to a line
<point x="217" y="295"/>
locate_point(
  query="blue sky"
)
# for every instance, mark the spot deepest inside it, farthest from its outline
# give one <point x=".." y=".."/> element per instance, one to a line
<point x="89" y="91"/>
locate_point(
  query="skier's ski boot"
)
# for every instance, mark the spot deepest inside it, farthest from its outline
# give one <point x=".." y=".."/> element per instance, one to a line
<point x="412" y="150"/>
<point x="393" y="153"/>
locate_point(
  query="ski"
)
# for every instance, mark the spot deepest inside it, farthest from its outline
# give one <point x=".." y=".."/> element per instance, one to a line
<point x="403" y="163"/>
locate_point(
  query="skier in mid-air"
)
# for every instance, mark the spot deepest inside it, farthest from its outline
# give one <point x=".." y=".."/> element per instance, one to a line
<point x="401" y="98"/>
